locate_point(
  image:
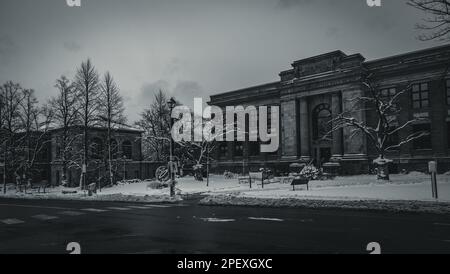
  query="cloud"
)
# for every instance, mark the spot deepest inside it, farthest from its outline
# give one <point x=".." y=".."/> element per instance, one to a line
<point x="332" y="32"/>
<point x="292" y="3"/>
<point x="72" y="46"/>
<point x="183" y="91"/>
<point x="7" y="49"/>
<point x="186" y="91"/>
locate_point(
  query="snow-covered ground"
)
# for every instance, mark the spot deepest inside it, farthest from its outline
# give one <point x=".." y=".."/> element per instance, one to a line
<point x="414" y="186"/>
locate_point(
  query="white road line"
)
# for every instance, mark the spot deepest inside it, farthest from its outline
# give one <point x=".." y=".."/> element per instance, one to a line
<point x="44" y="217"/>
<point x="161" y="206"/>
<point x="119" y="208"/>
<point x="217" y="220"/>
<point x="94" y="210"/>
<point x="32" y="206"/>
<point x="71" y="213"/>
<point x="138" y="207"/>
<point x="12" y="221"/>
<point x="441" y="224"/>
<point x="266" y="219"/>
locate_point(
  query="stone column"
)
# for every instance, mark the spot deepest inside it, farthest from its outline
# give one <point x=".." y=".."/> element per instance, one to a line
<point x="289" y="129"/>
<point x="336" y="109"/>
<point x="304" y="130"/>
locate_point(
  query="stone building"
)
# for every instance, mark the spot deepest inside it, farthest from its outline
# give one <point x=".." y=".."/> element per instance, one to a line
<point x="127" y="156"/>
<point x="316" y="89"/>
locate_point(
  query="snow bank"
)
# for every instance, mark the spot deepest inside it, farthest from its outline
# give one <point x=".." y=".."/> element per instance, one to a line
<point x="373" y="205"/>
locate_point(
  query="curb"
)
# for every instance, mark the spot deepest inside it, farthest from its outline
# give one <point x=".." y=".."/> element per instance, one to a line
<point x="360" y="205"/>
<point x="100" y="198"/>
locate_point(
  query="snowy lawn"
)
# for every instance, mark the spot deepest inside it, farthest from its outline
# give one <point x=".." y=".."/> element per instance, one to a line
<point x="414" y="186"/>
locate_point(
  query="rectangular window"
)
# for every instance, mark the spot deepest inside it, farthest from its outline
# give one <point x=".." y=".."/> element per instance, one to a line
<point x="388" y="93"/>
<point x="448" y="91"/>
<point x="425" y="141"/>
<point x="420" y="97"/>
<point x="239" y="149"/>
<point x="223" y="149"/>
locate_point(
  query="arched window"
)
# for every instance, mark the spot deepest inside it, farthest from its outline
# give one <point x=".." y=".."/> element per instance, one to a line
<point x="322" y="125"/>
<point x="97" y="148"/>
<point x="114" y="149"/>
<point x="127" y="149"/>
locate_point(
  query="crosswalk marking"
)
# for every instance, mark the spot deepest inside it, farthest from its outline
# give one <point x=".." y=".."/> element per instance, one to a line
<point x="119" y="208"/>
<point x="71" y="213"/>
<point x="265" y="219"/>
<point x="94" y="210"/>
<point x="44" y="217"/>
<point x="12" y="221"/>
<point x="441" y="224"/>
<point x="139" y="207"/>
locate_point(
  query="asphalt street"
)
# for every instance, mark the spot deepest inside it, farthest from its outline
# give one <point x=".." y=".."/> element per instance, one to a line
<point x="47" y="226"/>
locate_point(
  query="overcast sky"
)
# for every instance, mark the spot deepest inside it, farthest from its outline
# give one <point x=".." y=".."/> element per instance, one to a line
<point x="191" y="47"/>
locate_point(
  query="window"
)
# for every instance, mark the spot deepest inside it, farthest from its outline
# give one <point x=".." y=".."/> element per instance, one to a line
<point x="58" y="148"/>
<point x="322" y="122"/>
<point x="239" y="149"/>
<point x="448" y="91"/>
<point x="223" y="149"/>
<point x="127" y="149"/>
<point x="114" y="149"/>
<point x="97" y="148"/>
<point x="388" y="93"/>
<point x="420" y="97"/>
<point x="423" y="142"/>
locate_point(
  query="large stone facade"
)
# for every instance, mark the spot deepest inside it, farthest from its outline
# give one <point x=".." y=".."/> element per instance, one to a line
<point x="316" y="89"/>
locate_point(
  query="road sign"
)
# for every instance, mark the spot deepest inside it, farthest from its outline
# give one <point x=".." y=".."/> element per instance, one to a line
<point x="432" y="167"/>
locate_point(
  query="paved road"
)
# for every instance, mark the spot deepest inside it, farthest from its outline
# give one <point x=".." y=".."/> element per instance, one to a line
<point x="33" y="226"/>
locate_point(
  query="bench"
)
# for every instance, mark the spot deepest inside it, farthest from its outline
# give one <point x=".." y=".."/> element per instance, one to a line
<point x="252" y="177"/>
<point x="36" y="186"/>
<point x="300" y="181"/>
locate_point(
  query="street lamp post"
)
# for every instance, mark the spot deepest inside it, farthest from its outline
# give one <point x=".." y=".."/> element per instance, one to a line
<point x="171" y="103"/>
<point x="124" y="167"/>
<point x="5" y="146"/>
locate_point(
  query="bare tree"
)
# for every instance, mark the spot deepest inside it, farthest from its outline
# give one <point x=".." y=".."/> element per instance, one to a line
<point x="437" y="24"/>
<point x="65" y="106"/>
<point x="24" y="128"/>
<point x="87" y="85"/>
<point x="387" y="125"/>
<point x="111" y="113"/>
<point x="155" y="122"/>
<point x="12" y="97"/>
<point x="35" y="122"/>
